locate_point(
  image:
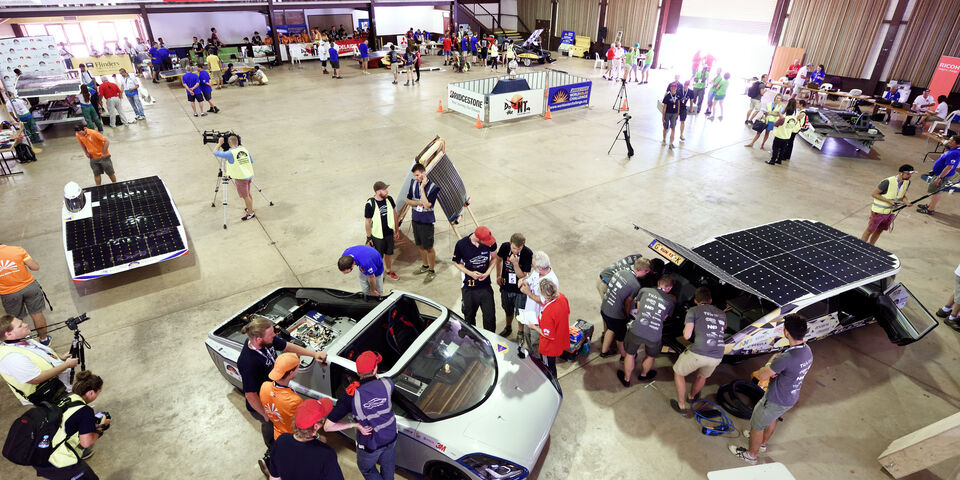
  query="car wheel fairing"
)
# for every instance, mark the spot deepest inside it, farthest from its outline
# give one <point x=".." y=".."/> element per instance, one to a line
<point x="444" y="471"/>
<point x="527" y="62"/>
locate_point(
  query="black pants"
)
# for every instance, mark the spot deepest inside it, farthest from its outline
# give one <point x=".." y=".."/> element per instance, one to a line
<point x="417" y="67"/>
<point x="78" y="471"/>
<point x="266" y="430"/>
<point x="482" y="298"/>
<point x="551" y="363"/>
<point x="790" y="146"/>
<point x="779" y="150"/>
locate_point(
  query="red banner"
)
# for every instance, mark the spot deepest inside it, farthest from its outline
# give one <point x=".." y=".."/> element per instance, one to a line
<point x="944" y="76"/>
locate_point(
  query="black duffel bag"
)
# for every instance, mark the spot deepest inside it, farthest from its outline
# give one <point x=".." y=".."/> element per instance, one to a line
<point x="759" y="125"/>
<point x="908" y="130"/>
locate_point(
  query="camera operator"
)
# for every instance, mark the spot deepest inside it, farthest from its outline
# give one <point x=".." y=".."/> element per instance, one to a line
<point x="80" y="428"/>
<point x="239" y="167"/>
<point x="31" y="369"/>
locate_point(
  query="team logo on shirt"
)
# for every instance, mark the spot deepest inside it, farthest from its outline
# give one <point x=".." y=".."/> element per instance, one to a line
<point x="7" y="267"/>
<point x="375" y="403"/>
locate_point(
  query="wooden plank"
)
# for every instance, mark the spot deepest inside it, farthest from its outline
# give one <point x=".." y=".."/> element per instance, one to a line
<point x="782" y="58"/>
<point x="923" y="448"/>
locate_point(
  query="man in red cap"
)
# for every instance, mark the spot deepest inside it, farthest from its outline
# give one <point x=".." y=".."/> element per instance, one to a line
<point x="474" y="255"/>
<point x="301" y="455"/>
<point x="278" y="399"/>
<point x="369" y="400"/>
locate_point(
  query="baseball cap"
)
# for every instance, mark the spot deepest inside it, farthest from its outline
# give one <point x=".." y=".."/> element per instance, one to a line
<point x="483" y="234"/>
<point x="906" y="168"/>
<point x="367" y="361"/>
<point x="379" y="186"/>
<point x="285" y="362"/>
<point x="311" y="411"/>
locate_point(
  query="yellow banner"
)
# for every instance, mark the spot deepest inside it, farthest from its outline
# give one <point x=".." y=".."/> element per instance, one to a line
<point x="105" y="64"/>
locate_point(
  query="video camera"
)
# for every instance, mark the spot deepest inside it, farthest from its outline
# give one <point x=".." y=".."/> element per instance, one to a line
<point x="72" y="322"/>
<point x="213" y="136"/>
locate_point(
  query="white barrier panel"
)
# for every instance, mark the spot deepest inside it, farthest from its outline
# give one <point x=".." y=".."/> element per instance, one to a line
<point x="467" y="102"/>
<point x="507" y="106"/>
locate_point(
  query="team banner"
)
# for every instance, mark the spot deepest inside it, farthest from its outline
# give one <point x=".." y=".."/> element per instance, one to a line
<point x="569" y="96"/>
<point x="467" y="102"/>
<point x="35" y="56"/>
<point x="944" y="76"/>
<point x="105" y="64"/>
<point x="567" y="37"/>
<point x="507" y="106"/>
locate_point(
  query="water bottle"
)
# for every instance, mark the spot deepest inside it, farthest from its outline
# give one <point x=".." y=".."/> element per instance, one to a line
<point x="45" y="443"/>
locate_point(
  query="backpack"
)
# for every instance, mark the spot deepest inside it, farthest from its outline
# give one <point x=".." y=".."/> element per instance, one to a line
<point x="754" y="90"/>
<point x="24" y="153"/>
<point x="25" y="441"/>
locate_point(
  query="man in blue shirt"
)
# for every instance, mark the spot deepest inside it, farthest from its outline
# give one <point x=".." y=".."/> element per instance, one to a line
<point x="364" y="56"/>
<point x="155" y="62"/>
<point x="334" y="60"/>
<point x="421" y="197"/>
<point x="473" y="48"/>
<point x="165" y="57"/>
<point x="370" y="266"/>
<point x="465" y="43"/>
<point x="943" y="170"/>
<point x="206" y="91"/>
<point x="191" y="82"/>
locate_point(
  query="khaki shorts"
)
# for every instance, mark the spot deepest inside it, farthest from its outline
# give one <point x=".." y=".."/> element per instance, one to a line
<point x="956" y="289"/>
<point x="601" y="288"/>
<point x="690" y="362"/>
<point x="933" y="188"/>
<point x="755" y="104"/>
<point x="765" y="413"/>
<point x="102" y="165"/>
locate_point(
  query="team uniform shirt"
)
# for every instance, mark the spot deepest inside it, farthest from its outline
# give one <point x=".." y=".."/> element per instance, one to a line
<point x="382" y="206"/>
<point x="214" y="62"/>
<point x="364" y="50"/>
<point x="525" y="259"/>
<point x="333" y="54"/>
<point x="95" y="143"/>
<point x="623" y="285"/>
<point x="155" y="56"/>
<point x="447" y="44"/>
<point x="420" y="214"/>
<point x="129" y="84"/>
<point x="255" y="365"/>
<point x="791" y="366"/>
<point x="670" y="103"/>
<point x="280" y="404"/>
<point x="653" y="307"/>
<point x="555" y="324"/>
<point x="611" y="53"/>
<point x="473" y="43"/>
<point x="623" y="264"/>
<point x="260" y="75"/>
<point x="14" y="275"/>
<point x="686" y="94"/>
<point x="204" y="78"/>
<point x="818" y="76"/>
<point x="942" y="110"/>
<point x="109" y="90"/>
<point x="19" y="366"/>
<point x="191" y="80"/>
<point x="476" y="258"/>
<point x="366" y="258"/>
<point x="708" y="324"/>
<point x="294" y="460"/>
<point x="948" y="160"/>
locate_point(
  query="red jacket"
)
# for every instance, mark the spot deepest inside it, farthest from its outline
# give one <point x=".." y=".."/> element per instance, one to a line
<point x="109" y="90"/>
<point x="447" y="43"/>
<point x="555" y="323"/>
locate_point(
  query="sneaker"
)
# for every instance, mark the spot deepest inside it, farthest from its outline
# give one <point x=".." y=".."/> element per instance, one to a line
<point x="393" y="275"/>
<point x="608" y="354"/>
<point x="430" y="276"/>
<point x="406" y="84"/>
<point x="248" y="216"/>
<point x="663" y="142"/>
<point x="45" y="341"/>
<point x="394" y="82"/>
<point x="87" y="453"/>
<point x="422" y="269"/>
<point x="216" y="109"/>
<point x="263" y="467"/>
<point x="943" y="313"/>
<point x="671" y="146"/>
<point x="743" y="454"/>
<point x="682" y="138"/>
<point x="506" y="332"/>
<point x="211" y="110"/>
<point x="204" y="114"/>
<point x="649" y="376"/>
<point x="675" y="405"/>
<point x="763" y="446"/>
<point x="622" y="377"/>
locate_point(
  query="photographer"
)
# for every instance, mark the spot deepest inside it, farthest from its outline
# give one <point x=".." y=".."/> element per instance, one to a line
<point x="239" y="167"/>
<point x="31" y="369"/>
<point x="80" y="428"/>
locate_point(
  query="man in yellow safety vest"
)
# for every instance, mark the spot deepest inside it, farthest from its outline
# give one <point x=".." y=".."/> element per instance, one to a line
<point x="380" y="222"/>
<point x="26" y="364"/>
<point x="80" y="427"/>
<point x="890" y="192"/>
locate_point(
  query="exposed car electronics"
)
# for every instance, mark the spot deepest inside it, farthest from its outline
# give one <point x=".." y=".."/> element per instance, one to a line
<point x="314" y="330"/>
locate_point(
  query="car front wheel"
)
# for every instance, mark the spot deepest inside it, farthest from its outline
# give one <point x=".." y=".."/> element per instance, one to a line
<point x="527" y="62"/>
<point x="443" y="471"/>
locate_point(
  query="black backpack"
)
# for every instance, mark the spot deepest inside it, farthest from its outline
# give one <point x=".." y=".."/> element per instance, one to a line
<point x="754" y="90"/>
<point x="908" y="130"/>
<point x="24" y="153"/>
<point x="35" y="427"/>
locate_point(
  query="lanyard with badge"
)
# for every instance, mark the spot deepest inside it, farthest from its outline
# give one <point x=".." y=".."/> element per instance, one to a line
<point x="415" y="186"/>
<point x="269" y="356"/>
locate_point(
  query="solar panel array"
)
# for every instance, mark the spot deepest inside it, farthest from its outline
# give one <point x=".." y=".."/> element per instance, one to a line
<point x="786" y="260"/>
<point x="453" y="194"/>
<point x="134" y="220"/>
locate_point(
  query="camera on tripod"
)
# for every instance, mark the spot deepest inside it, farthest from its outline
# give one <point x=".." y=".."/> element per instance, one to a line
<point x="626" y="116"/>
<point x="213" y="136"/>
<point x="72" y="322"/>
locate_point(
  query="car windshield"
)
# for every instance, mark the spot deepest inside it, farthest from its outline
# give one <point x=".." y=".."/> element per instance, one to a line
<point x="453" y="372"/>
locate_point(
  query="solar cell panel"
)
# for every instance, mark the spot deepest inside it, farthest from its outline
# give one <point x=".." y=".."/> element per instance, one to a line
<point x="771" y="284"/>
<point x="724" y="257"/>
<point x="751" y="245"/>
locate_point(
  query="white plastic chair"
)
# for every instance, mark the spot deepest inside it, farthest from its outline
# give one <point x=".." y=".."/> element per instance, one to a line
<point x="846" y="101"/>
<point x="945" y="122"/>
<point x="597" y="61"/>
<point x="822" y="94"/>
<point x="296" y="55"/>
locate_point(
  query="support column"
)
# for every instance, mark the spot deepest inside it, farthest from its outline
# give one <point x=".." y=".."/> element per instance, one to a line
<point x="372" y="37"/>
<point x="601" y="24"/>
<point x="779" y="18"/>
<point x="146" y="23"/>
<point x="888" y="40"/>
<point x="554" y="13"/>
<point x="454" y="16"/>
<point x="273" y="32"/>
<point x="661" y="28"/>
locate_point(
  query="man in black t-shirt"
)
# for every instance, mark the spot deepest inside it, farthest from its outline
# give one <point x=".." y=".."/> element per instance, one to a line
<point x="473" y="256"/>
<point x="671" y="108"/>
<point x="382" y="232"/>
<point x="301" y="455"/>
<point x="514" y="261"/>
<point x="755" y="92"/>
<point x="254" y="364"/>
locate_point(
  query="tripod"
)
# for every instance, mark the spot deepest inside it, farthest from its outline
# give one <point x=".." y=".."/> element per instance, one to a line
<point x="622" y="99"/>
<point x="79" y="345"/>
<point x="222" y="181"/>
<point x="625" y="130"/>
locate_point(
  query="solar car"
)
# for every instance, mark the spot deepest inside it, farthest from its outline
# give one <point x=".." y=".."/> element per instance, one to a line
<point x="467" y="405"/>
<point x="760" y="274"/>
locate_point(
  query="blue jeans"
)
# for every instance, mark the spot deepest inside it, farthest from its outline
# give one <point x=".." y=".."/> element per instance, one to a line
<point x="386" y="455"/>
<point x="135" y="103"/>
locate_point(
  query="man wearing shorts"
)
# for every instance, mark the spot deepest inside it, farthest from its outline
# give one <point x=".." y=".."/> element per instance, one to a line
<point x="369" y="264"/>
<point x="206" y="90"/>
<point x="95" y="147"/>
<point x="382" y="231"/>
<point x="622" y="285"/>
<point x="447" y="49"/>
<point x="890" y="191"/>
<point x="671" y="109"/>
<point x="239" y="167"/>
<point x="788" y="369"/>
<point x="19" y="291"/>
<point x="191" y="82"/>
<point x="364" y="56"/>
<point x="647" y="62"/>
<point x="645" y="331"/>
<point x="514" y="262"/>
<point x="707" y="323"/>
<point x="943" y="171"/>
<point x="394" y="63"/>
<point x="755" y="92"/>
<point x="951" y="309"/>
<point x="421" y="197"/>
<point x="334" y="60"/>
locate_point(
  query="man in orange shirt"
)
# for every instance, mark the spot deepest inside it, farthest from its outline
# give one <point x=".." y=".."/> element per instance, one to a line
<point x="95" y="146"/>
<point x="279" y="400"/>
<point x="19" y="291"/>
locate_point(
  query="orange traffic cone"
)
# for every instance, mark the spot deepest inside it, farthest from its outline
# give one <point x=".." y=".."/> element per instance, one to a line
<point x="479" y="124"/>
<point x="440" y="108"/>
<point x="623" y="108"/>
<point x="547" y="116"/>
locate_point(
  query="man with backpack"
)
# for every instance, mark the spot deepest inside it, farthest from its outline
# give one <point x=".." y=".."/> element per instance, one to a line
<point x="33" y="371"/>
<point x="79" y="428"/>
<point x="755" y="92"/>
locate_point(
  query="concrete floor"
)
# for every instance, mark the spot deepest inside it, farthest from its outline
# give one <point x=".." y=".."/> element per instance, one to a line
<point x="319" y="145"/>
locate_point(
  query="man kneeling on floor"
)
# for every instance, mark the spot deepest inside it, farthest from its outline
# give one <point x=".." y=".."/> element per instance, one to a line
<point x="787" y="368"/>
<point x="707" y="322"/>
<point x="645" y="331"/>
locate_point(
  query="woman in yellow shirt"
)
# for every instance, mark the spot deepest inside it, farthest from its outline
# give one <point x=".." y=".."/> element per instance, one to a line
<point x="771" y="114"/>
